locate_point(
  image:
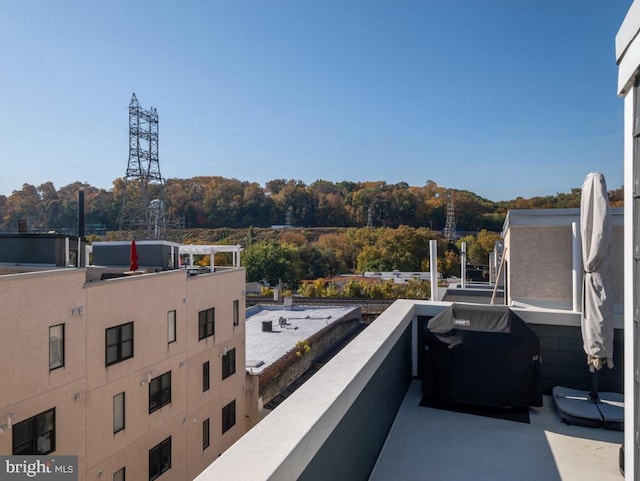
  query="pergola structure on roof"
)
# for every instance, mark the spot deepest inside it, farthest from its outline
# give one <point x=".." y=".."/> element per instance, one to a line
<point x="211" y="251"/>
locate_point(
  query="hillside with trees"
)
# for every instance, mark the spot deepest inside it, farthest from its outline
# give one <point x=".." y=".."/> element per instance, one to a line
<point x="328" y="234"/>
<point x="211" y="202"/>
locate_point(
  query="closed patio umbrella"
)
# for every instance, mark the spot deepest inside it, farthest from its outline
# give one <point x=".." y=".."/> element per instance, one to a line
<point x="575" y="406"/>
<point x="597" y="302"/>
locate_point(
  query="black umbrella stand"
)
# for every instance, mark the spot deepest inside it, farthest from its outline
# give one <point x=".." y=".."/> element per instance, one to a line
<point x="590" y="408"/>
<point x="593" y="394"/>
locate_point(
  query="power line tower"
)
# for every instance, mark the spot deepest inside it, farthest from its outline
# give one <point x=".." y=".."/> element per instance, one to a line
<point x="143" y="209"/>
<point x="288" y="217"/>
<point x="449" y="231"/>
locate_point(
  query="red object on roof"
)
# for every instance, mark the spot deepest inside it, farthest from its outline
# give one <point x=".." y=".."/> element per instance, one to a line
<point x="134" y="257"/>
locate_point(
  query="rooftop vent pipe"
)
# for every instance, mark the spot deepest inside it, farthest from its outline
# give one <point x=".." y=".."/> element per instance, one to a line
<point x="81" y="213"/>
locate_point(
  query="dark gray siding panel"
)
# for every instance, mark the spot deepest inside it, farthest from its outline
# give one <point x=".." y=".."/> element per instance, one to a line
<point x="564" y="362"/>
<point x="149" y="256"/>
<point x="111" y="255"/>
<point x="44" y="249"/>
<point x="350" y="452"/>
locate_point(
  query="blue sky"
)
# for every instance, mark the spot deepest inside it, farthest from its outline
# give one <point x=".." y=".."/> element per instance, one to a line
<point x="504" y="98"/>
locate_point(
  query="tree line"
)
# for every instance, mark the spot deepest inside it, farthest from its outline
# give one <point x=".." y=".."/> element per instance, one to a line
<point x="217" y="202"/>
<point x="295" y="257"/>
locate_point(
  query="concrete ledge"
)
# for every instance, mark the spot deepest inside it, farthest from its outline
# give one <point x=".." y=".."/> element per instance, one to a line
<point x="286" y="441"/>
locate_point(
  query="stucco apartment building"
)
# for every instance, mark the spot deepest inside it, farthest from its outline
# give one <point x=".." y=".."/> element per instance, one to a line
<point x="140" y="376"/>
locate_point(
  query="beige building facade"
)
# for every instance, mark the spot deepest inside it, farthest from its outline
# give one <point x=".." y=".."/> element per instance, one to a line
<point x="142" y="376"/>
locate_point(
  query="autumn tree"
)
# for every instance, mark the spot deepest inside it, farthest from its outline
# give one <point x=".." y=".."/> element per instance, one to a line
<point x="341" y="248"/>
<point x="24" y="204"/>
<point x="404" y="249"/>
<point x="272" y="261"/>
<point x="218" y="202"/>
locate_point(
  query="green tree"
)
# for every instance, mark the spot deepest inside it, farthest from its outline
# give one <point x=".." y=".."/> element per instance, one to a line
<point x="479" y="247"/>
<point x="223" y="202"/>
<point x="405" y="248"/>
<point x="24" y="204"/>
<point x="449" y="264"/>
<point x="370" y="259"/>
<point x="353" y="289"/>
<point x="272" y="261"/>
<point x="340" y="247"/>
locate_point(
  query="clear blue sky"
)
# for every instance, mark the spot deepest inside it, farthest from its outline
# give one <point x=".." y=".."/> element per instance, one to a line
<point x="504" y="98"/>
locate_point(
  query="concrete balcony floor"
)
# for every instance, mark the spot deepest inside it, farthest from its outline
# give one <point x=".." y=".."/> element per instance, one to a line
<point x="427" y="443"/>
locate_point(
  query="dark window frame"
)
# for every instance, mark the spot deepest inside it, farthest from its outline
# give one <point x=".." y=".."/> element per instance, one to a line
<point x="122" y="470"/>
<point x="172" y="323"/>
<point x="206" y="376"/>
<point x="160" y="459"/>
<point x="117" y="429"/>
<point x="206" y="435"/>
<point x="159" y="391"/>
<point x="229" y="363"/>
<point x="61" y="347"/>
<point x="228" y="416"/>
<point x="236" y="312"/>
<point x="35" y="426"/>
<point x="119" y="344"/>
<point x="206" y="323"/>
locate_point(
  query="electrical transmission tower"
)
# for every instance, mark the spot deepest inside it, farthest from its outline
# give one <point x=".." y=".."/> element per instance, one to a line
<point x="143" y="209"/>
<point x="449" y="231"/>
<point x="288" y="217"/>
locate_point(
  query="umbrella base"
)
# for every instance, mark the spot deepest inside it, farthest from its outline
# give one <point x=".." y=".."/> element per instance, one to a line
<point x="575" y="407"/>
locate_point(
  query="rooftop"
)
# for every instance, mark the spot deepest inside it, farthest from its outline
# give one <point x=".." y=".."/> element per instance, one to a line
<point x="465" y="446"/>
<point x="359" y="418"/>
<point x="300" y="323"/>
<point x="552" y="217"/>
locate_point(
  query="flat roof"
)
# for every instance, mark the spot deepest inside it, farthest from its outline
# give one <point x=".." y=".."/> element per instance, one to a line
<point x="427" y="443"/>
<point x="149" y="242"/>
<point x="552" y="217"/>
<point x="265" y="348"/>
<point x="208" y="249"/>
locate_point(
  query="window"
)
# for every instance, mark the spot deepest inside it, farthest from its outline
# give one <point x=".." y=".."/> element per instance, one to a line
<point x="119" y="475"/>
<point x="229" y="363"/>
<point x="119" y="343"/>
<point x="205" y="376"/>
<point x="36" y="435"/>
<point x="171" y="327"/>
<point x="205" y="434"/>
<point x="228" y="416"/>
<point x="118" y="412"/>
<point x="159" y="391"/>
<point x="206" y="323"/>
<point x="236" y="313"/>
<point x="160" y="459"/>
<point x="56" y="347"/>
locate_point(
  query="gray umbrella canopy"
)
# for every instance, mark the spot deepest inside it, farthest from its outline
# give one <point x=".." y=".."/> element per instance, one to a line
<point x="597" y="304"/>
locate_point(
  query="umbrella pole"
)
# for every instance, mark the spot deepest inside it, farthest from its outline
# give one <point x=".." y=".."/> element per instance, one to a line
<point x="593" y="394"/>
